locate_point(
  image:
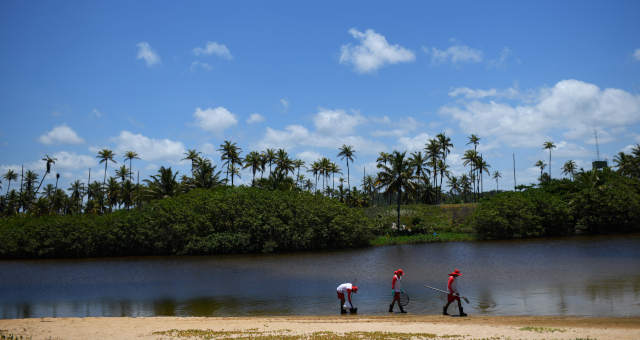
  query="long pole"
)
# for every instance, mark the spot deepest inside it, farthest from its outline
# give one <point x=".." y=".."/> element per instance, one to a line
<point x="21" y="184"/>
<point x="514" y="171"/>
<point x="442" y="291"/>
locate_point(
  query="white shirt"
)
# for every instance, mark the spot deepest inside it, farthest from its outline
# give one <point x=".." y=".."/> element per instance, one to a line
<point x="344" y="287"/>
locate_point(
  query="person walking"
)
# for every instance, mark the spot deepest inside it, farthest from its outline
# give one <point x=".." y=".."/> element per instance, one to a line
<point x="454" y="293"/>
<point x="396" y="289"/>
<point x="346" y="289"/>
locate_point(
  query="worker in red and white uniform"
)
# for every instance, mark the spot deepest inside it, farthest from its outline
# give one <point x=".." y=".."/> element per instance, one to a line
<point x="343" y="290"/>
<point x="396" y="288"/>
<point x="454" y="293"/>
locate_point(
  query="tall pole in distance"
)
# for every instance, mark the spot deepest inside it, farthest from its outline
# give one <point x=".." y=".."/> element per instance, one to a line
<point x="514" y="171"/>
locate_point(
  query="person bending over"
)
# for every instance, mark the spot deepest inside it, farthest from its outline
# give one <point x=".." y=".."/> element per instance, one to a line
<point x="346" y="289"/>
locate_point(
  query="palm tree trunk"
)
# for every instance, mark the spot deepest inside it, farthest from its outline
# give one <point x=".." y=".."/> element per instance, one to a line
<point x="398" y="209"/>
<point x="348" y="181"/>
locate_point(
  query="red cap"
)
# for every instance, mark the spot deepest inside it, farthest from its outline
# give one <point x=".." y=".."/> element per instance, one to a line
<point x="354" y="288"/>
<point x="455" y="272"/>
<point x="399" y="271"/>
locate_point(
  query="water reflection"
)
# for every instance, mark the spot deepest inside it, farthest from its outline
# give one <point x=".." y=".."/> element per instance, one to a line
<point x="577" y="276"/>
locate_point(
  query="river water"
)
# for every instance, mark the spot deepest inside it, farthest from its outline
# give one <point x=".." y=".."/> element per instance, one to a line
<point x="592" y="276"/>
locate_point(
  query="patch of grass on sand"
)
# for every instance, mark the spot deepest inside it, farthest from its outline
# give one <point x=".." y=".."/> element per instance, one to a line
<point x="385" y="240"/>
<point x="542" y="329"/>
<point x="273" y="335"/>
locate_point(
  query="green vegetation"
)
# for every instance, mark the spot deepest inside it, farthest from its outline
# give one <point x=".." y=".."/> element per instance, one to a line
<point x="542" y="329"/>
<point x="420" y="223"/>
<point x="203" y="221"/>
<point x="206" y="213"/>
<point x="597" y="201"/>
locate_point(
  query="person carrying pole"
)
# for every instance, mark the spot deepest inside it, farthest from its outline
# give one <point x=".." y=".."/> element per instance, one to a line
<point x="396" y="289"/>
<point x="346" y="289"/>
<point x="454" y="294"/>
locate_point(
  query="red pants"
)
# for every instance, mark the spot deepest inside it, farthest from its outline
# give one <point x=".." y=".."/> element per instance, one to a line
<point x="451" y="298"/>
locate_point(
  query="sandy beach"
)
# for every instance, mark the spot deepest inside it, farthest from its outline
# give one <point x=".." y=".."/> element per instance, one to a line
<point x="325" y="327"/>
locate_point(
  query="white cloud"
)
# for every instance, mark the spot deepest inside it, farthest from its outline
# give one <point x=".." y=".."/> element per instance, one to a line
<point x="572" y="107"/>
<point x="208" y="148"/>
<point x="214" y="120"/>
<point x="636" y="54"/>
<point x="505" y="55"/>
<point x="336" y="122"/>
<point x="146" y="53"/>
<point x="415" y="143"/>
<point x="255" y="118"/>
<point x="149" y="149"/>
<point x="196" y="65"/>
<point x="72" y="161"/>
<point x="372" y="52"/>
<point x="298" y="136"/>
<point x="479" y="93"/>
<point x="285" y="104"/>
<point x="455" y="54"/>
<point x="566" y="149"/>
<point x="61" y="134"/>
<point x="396" y="128"/>
<point x="309" y="156"/>
<point x="213" y="48"/>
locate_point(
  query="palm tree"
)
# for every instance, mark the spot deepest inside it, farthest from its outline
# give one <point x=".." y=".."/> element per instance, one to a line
<point x="253" y="160"/>
<point x="129" y="156"/>
<point x="541" y="164"/>
<point x="325" y="167"/>
<point x="298" y="163"/>
<point x="105" y="155"/>
<point x="49" y="161"/>
<point x="269" y="156"/>
<point x="383" y="157"/>
<point x="113" y="191"/>
<point x="29" y="193"/>
<point x="193" y="156"/>
<point x="454" y="186"/>
<point x="569" y="168"/>
<point x="470" y="158"/>
<point x="548" y="145"/>
<point x="163" y="184"/>
<point x="205" y="175"/>
<point x="333" y="170"/>
<point x="482" y="167"/>
<point x="445" y="145"/>
<point x="315" y="170"/>
<point x="123" y="173"/>
<point x="432" y="150"/>
<point x="496" y="176"/>
<point x="347" y="152"/>
<point x="76" y="189"/>
<point x="230" y="157"/>
<point x="284" y="165"/>
<point x="396" y="177"/>
<point x="10" y="175"/>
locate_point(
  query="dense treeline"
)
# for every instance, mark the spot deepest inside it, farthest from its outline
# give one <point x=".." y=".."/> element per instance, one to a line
<point x="596" y="201"/>
<point x="203" y="221"/>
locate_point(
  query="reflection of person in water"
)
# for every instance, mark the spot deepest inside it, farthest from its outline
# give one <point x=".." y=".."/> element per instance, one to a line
<point x="346" y="289"/>
<point x="396" y="288"/>
<point x="454" y="293"/>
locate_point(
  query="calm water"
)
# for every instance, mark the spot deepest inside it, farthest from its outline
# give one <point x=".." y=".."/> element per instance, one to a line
<point x="596" y="276"/>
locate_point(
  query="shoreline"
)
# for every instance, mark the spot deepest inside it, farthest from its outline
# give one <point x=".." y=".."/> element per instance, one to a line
<point x="394" y="326"/>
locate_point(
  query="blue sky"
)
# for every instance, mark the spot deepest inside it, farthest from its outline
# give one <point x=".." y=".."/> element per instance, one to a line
<point x="162" y="77"/>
